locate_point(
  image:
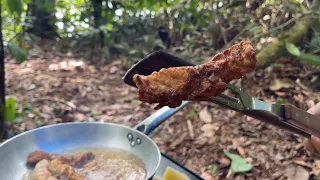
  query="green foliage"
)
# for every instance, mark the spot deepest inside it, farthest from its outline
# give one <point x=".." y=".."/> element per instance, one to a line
<point x="314" y="44"/>
<point x="10" y="110"/>
<point x="309" y="58"/>
<point x="14" y="6"/>
<point x="14" y="13"/>
<point x="130" y="27"/>
<point x="292" y="49"/>
<point x="281" y="101"/>
<point x="213" y="169"/>
<point x="238" y="164"/>
<point x="18" y="53"/>
<point x="191" y="115"/>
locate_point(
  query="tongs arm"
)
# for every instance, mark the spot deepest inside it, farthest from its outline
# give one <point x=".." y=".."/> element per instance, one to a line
<point x="287" y="117"/>
<point x="303" y="119"/>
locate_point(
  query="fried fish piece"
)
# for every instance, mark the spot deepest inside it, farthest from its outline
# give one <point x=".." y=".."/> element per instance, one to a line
<point x="41" y="171"/>
<point x="170" y="86"/>
<point x="54" y="170"/>
<point x="76" y="161"/>
<point x="61" y="169"/>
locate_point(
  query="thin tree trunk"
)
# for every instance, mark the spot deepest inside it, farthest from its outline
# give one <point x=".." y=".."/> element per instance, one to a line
<point x="42" y="22"/>
<point x="97" y="8"/>
<point x="2" y="82"/>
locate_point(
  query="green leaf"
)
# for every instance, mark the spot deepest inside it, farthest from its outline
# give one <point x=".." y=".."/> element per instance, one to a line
<point x="238" y="164"/>
<point x="17" y="52"/>
<point x="315" y="43"/>
<point x="281" y="101"/>
<point x="14" y="6"/>
<point x="191" y="115"/>
<point x="292" y="49"/>
<point x="79" y="2"/>
<point x="10" y="110"/>
<point x="213" y="169"/>
<point x="133" y="51"/>
<point x="311" y="59"/>
<point x="145" y="52"/>
<point x="277" y="65"/>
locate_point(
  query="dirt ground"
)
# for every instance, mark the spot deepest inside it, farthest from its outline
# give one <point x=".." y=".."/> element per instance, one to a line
<point x="56" y="89"/>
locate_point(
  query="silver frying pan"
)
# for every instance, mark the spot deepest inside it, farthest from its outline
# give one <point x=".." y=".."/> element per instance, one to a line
<point x="67" y="137"/>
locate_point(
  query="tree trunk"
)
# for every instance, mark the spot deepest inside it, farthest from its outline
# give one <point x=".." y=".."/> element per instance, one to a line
<point x="42" y="22"/>
<point x="97" y="8"/>
<point x="2" y="78"/>
<point x="295" y="35"/>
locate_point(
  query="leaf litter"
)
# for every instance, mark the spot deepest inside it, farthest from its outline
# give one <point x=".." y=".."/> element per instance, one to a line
<point x="63" y="89"/>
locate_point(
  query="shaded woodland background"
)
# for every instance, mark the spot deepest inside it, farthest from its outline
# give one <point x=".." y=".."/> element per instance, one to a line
<point x="64" y="62"/>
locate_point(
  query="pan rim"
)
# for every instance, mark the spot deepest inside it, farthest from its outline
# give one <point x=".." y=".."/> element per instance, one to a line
<point x="151" y="174"/>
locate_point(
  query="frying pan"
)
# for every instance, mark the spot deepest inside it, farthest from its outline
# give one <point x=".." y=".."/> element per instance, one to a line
<point x="62" y="138"/>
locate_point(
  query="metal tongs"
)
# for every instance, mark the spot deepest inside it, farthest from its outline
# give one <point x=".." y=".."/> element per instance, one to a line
<point x="286" y="117"/>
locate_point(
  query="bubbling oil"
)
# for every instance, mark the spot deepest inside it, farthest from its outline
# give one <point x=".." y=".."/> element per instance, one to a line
<point x="112" y="164"/>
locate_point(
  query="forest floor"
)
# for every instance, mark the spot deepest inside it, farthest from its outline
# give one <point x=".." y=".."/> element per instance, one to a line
<point x="54" y="89"/>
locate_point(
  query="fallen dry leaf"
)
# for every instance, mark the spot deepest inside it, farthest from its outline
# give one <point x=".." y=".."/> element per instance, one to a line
<point x="208" y="127"/>
<point x="205" y="115"/>
<point x="241" y="151"/>
<point x="278" y="84"/>
<point x="302" y="163"/>
<point x="46" y="109"/>
<point x="316" y="168"/>
<point x="96" y="90"/>
<point x="296" y="173"/>
<point x="73" y="106"/>
<point x="190" y="128"/>
<point x="113" y="70"/>
<point x="224" y="162"/>
<point x="79" y="117"/>
<point x="112" y="112"/>
<point x="207" y="176"/>
<point x="277" y="174"/>
<point x="84" y="109"/>
<point x="178" y="141"/>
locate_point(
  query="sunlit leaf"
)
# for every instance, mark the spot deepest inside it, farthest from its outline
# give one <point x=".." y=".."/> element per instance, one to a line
<point x="133" y="51"/>
<point x="18" y="53"/>
<point x="10" y="110"/>
<point x="79" y="2"/>
<point x="292" y="49"/>
<point x="238" y="164"/>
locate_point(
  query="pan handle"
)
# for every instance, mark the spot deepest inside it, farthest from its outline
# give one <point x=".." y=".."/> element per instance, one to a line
<point x="156" y="119"/>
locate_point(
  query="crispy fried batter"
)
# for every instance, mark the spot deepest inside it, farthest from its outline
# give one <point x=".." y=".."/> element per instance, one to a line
<point x="76" y="161"/>
<point x="41" y="171"/>
<point x="170" y="86"/>
<point x="51" y="166"/>
<point x="58" y="168"/>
